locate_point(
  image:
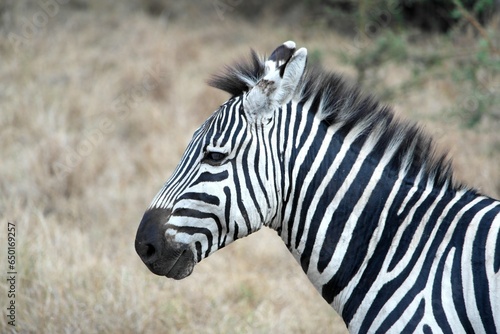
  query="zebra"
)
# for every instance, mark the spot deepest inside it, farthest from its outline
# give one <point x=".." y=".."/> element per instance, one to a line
<point x="363" y="202"/>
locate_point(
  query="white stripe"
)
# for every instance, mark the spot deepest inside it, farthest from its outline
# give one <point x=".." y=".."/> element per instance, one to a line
<point x="412" y="191"/>
<point x="304" y="119"/>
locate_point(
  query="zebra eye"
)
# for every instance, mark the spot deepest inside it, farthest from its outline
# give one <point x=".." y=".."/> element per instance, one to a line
<point x="213" y="157"/>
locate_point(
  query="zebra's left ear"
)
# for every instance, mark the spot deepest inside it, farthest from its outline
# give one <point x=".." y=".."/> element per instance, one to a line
<point x="283" y="72"/>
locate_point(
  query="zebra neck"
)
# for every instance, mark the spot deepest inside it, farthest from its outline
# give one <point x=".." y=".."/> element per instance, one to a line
<point x="345" y="210"/>
<point x="359" y="227"/>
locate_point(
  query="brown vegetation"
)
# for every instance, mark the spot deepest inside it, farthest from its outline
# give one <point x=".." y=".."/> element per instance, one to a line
<point x="97" y="106"/>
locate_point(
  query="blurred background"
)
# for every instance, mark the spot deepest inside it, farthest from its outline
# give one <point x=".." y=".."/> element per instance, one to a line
<point x="98" y="100"/>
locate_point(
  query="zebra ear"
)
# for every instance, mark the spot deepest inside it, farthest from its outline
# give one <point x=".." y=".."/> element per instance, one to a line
<point x="283" y="71"/>
<point x="280" y="57"/>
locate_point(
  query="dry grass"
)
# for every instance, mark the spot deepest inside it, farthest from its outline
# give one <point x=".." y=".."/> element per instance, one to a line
<point x="96" y="110"/>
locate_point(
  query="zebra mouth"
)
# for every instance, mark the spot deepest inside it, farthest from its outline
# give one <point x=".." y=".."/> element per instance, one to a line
<point x="182" y="266"/>
<point x="176" y="263"/>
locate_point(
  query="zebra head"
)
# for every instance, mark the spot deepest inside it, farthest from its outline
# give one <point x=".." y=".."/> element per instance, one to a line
<point x="225" y="186"/>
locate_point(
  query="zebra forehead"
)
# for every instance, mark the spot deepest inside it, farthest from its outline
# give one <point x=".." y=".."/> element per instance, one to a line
<point x="219" y="120"/>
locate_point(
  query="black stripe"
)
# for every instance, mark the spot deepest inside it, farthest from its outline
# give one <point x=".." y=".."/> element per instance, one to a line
<point x="227" y="213"/>
<point x="202" y="197"/>
<point x="239" y="202"/>
<point x="257" y="160"/>
<point x="479" y="272"/>
<point x="285" y="146"/>
<point x="211" y="177"/>
<point x="496" y="259"/>
<point x="457" y="294"/>
<point x="236" y="230"/>
<point x="197" y="245"/>
<point x="248" y="181"/>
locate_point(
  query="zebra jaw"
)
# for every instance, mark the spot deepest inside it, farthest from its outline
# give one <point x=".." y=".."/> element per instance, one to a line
<point x="159" y="251"/>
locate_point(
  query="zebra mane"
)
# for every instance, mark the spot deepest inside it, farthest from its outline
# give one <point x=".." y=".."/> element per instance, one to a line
<point x="338" y="103"/>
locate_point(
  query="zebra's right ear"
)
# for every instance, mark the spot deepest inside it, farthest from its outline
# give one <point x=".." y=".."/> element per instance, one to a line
<point x="283" y="72"/>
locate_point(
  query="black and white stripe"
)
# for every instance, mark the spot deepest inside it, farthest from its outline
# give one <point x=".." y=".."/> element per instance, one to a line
<point x="361" y="200"/>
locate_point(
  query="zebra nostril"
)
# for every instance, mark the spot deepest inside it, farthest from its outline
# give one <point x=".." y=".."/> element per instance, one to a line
<point x="146" y="251"/>
<point x="150" y="251"/>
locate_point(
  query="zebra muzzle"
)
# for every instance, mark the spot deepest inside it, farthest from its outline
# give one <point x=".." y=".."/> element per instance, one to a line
<point x="162" y="255"/>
